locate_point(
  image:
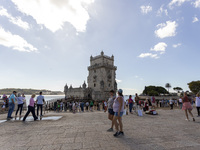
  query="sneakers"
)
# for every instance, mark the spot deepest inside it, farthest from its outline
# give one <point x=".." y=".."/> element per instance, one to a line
<point x="110" y="130"/>
<point x="118" y="133"/>
<point x="121" y="133"/>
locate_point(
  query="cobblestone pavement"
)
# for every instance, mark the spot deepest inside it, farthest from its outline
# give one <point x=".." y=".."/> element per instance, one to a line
<point x="168" y="130"/>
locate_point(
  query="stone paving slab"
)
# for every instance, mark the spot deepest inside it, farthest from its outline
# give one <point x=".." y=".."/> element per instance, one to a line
<point x="87" y="131"/>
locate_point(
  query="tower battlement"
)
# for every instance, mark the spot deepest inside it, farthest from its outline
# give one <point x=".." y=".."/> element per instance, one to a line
<point x="101" y="79"/>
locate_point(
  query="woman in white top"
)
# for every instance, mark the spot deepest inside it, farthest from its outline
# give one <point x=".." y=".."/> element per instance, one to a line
<point x="20" y="105"/>
<point x="180" y="102"/>
<point x="118" y="108"/>
<point x="197" y="101"/>
<point x="79" y="107"/>
<point x="171" y="102"/>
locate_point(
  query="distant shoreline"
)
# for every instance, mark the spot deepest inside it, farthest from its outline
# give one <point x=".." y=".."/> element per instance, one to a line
<point x="9" y="91"/>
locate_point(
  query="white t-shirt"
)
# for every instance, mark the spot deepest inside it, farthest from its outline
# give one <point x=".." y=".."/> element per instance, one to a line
<point x="171" y="101"/>
<point x="105" y="103"/>
<point x="126" y="102"/>
<point x="180" y="100"/>
<point x="40" y="99"/>
<point x="197" y="101"/>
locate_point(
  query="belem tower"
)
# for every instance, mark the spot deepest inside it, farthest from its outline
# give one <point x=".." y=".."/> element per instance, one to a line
<point x="101" y="79"/>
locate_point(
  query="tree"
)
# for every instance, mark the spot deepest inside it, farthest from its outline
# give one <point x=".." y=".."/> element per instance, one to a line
<point x="153" y="93"/>
<point x="194" y="86"/>
<point x="178" y="89"/>
<point x="154" y="90"/>
<point x="168" y="86"/>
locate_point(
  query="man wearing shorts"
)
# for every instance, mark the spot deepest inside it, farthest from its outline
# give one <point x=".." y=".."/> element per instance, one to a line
<point x="110" y="109"/>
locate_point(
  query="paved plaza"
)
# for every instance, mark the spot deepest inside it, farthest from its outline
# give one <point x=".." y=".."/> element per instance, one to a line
<point x="168" y="130"/>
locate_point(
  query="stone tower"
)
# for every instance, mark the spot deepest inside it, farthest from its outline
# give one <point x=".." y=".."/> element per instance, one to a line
<point x="102" y="75"/>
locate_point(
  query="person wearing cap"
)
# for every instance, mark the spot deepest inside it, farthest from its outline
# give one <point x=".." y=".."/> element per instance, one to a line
<point x="11" y="104"/>
<point x="118" y="108"/>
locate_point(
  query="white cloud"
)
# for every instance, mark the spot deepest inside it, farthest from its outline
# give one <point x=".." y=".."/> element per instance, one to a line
<point x="160" y="47"/>
<point x="196" y="4"/>
<point x="167" y="29"/>
<point x="143" y="55"/>
<point x="177" y="2"/>
<point x="15" y="42"/>
<point x="136" y="76"/>
<point x="146" y="9"/>
<point x="195" y="19"/>
<point x="118" y="81"/>
<point x="54" y="13"/>
<point x="161" y="10"/>
<point x="176" y="45"/>
<point x="15" y="20"/>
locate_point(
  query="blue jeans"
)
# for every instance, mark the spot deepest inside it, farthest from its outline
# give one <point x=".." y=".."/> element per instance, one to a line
<point x="121" y="114"/>
<point x="181" y="104"/>
<point x="11" y="109"/>
<point x="130" y="107"/>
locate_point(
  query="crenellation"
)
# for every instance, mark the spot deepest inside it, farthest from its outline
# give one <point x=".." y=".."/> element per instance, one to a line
<point x="101" y="79"/>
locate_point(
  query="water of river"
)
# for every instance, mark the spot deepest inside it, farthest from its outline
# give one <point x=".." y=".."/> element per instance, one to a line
<point x="46" y="97"/>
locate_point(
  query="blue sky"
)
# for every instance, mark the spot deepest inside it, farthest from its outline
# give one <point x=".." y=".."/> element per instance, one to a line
<point x="45" y="44"/>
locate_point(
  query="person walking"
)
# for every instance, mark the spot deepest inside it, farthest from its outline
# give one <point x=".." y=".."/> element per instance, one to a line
<point x="187" y="106"/>
<point x="137" y="99"/>
<point x="105" y="106"/>
<point x="130" y="102"/>
<point x="149" y="103"/>
<point x="87" y="105"/>
<point x="55" y="106"/>
<point x="31" y="108"/>
<point x="153" y="102"/>
<point x="197" y="102"/>
<point x="40" y="101"/>
<point x="180" y="102"/>
<point x="91" y="105"/>
<point x="61" y="106"/>
<point x="110" y="109"/>
<point x="11" y="104"/>
<point x="118" y="108"/>
<point x="20" y="102"/>
<point x="171" y="103"/>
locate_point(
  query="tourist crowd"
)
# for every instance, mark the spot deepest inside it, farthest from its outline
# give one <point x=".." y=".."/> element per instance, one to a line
<point x="19" y="99"/>
<point x="116" y="106"/>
